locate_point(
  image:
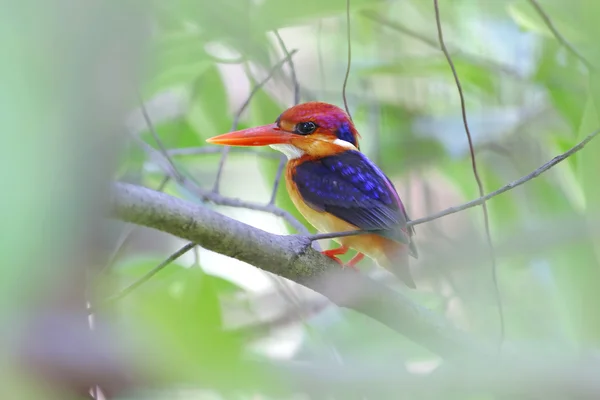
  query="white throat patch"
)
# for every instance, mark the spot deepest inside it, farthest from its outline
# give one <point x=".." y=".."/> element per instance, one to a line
<point x="292" y="152"/>
<point x="344" y="144"/>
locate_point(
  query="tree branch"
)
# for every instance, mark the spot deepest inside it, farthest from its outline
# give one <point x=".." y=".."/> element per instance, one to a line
<point x="486" y="218"/>
<point x="452" y="210"/>
<point x="433" y="43"/>
<point x="238" y="115"/>
<point x="194" y="151"/>
<point x="293" y="258"/>
<point x="534" y="174"/>
<point x="204" y="195"/>
<point x="349" y="59"/>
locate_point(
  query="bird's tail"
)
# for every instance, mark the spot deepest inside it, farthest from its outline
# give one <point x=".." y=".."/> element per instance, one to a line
<point x="396" y="260"/>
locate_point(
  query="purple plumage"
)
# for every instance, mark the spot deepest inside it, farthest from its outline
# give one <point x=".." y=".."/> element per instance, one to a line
<point x="352" y="188"/>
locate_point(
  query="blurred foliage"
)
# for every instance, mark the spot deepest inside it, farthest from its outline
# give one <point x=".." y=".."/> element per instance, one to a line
<point x="528" y="98"/>
<point x="179" y="308"/>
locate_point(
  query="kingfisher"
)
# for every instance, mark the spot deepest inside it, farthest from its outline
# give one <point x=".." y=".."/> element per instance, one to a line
<point x="335" y="186"/>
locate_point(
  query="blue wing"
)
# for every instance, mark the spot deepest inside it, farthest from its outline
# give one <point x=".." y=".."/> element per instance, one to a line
<point x="349" y="186"/>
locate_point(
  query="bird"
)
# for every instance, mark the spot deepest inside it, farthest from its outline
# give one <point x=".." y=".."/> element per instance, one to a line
<point x="335" y="186"/>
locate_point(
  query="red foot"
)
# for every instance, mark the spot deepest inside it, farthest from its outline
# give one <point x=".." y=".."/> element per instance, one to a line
<point x="332" y="253"/>
<point x="355" y="260"/>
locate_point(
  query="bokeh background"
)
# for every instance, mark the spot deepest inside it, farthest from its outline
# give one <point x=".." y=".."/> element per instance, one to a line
<point x="74" y="78"/>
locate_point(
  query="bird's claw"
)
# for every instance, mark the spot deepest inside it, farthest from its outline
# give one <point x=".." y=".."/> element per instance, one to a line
<point x="351" y="264"/>
<point x="333" y="257"/>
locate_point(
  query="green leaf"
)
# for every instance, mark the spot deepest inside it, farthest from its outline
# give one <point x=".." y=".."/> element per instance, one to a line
<point x="180" y="317"/>
<point x="133" y="269"/>
<point x="265" y="109"/>
<point x="564" y="82"/>
<point x="229" y="22"/>
<point x="208" y="113"/>
<point x="527" y="18"/>
<point x="471" y="74"/>
<point x="175" y="133"/>
<point x="223" y="286"/>
<point x="400" y="148"/>
<point x="178" y="59"/>
<point x="594" y="101"/>
<point x="577" y="265"/>
<point x="565" y="16"/>
<point x="272" y="14"/>
<point x="588" y="172"/>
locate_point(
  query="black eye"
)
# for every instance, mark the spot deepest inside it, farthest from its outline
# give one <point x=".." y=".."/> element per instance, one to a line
<point x="304" y="128"/>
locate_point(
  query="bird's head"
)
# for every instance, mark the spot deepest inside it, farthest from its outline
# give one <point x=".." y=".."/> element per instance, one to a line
<point x="314" y="129"/>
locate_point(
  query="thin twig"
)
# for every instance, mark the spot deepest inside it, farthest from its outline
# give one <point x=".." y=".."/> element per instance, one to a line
<point x="292" y="67"/>
<point x="282" y="288"/>
<point x="375" y="123"/>
<point x="124" y="237"/>
<point x="224" y="153"/>
<point x="474" y="58"/>
<point x="147" y="275"/>
<point x="163" y="158"/>
<point x="174" y="172"/>
<point x="280" y="168"/>
<point x="349" y="62"/>
<point x="159" y="142"/>
<point x="333" y="235"/>
<point x="320" y="57"/>
<point x="562" y="40"/>
<point x="238" y="115"/>
<point x="510" y="186"/>
<point x="194" y="151"/>
<point x="306" y="308"/>
<point x="126" y="234"/>
<point x="216" y="198"/>
<point x="296" y="84"/>
<point x="121" y="241"/>
<point x="473" y="203"/>
<point x="287" y="294"/>
<point x="400" y="28"/>
<point x="291" y="257"/>
<point x="474" y="165"/>
<point x="435" y="229"/>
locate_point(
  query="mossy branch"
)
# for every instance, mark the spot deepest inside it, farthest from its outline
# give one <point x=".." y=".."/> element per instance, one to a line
<point x="293" y="258"/>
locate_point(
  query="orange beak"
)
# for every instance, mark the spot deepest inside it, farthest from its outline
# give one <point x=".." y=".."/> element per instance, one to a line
<point x="258" y="136"/>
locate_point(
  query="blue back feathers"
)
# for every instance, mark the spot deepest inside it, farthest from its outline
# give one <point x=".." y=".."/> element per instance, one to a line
<point x="353" y="189"/>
